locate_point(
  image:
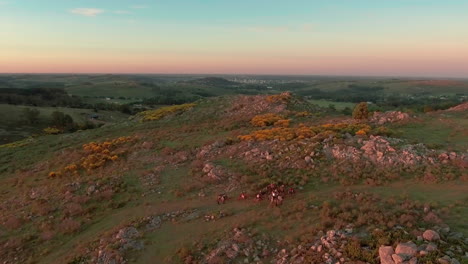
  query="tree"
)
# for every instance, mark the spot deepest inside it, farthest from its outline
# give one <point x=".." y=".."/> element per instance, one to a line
<point x="61" y="120"/>
<point x="31" y="115"/>
<point x="361" y="111"/>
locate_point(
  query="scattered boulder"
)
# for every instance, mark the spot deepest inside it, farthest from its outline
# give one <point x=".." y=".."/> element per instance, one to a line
<point x="409" y="249"/>
<point x="431" y="235"/>
<point x="385" y="254"/>
<point x="128" y="233"/>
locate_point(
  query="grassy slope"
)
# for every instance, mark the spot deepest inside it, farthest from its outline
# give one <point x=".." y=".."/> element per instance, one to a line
<point x="445" y="130"/>
<point x="163" y="243"/>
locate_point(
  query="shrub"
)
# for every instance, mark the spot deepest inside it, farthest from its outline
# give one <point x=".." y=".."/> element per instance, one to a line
<point x="361" y="111"/>
<point x="284" y="133"/>
<point x="52" y="131"/>
<point x="279" y="98"/>
<point x="282" y="123"/>
<point x="96" y="156"/>
<point x="302" y="114"/>
<point x="265" y="120"/>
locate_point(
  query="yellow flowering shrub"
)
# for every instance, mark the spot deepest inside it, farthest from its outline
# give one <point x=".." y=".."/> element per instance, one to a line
<point x="17" y="144"/>
<point x="361" y="132"/>
<point x="52" y="131"/>
<point x="100" y="153"/>
<point x="265" y="120"/>
<point x="96" y="155"/>
<point x="152" y="115"/>
<point x="285" y="133"/>
<point x="282" y="123"/>
<point x="302" y="114"/>
<point x="279" y="98"/>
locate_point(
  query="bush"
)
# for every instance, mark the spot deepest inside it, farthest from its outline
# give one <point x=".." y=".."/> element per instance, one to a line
<point x="361" y="111"/>
<point x="52" y="131"/>
<point x="265" y="120"/>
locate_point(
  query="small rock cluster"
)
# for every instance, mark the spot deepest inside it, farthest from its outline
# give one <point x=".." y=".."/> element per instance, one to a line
<point x="240" y="246"/>
<point x="409" y="252"/>
<point x="379" y="150"/>
<point x="389" y="117"/>
<point x="111" y="249"/>
<point x="327" y="249"/>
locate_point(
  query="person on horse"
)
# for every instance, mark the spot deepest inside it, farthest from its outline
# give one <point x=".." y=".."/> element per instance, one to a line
<point x="221" y="198"/>
<point x="258" y="197"/>
<point x="242" y="196"/>
<point x="275" y="198"/>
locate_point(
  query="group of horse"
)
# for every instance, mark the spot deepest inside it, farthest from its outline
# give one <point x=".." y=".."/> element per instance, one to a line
<point x="273" y="192"/>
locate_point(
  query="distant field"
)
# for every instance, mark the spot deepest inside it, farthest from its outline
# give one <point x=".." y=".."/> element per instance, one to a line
<point x="111" y="89"/>
<point x="397" y="86"/>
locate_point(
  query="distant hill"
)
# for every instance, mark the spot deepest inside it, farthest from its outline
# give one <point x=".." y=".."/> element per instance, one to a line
<point x="212" y="81"/>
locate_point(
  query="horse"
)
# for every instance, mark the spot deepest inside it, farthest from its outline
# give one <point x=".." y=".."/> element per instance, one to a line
<point x="221" y="198"/>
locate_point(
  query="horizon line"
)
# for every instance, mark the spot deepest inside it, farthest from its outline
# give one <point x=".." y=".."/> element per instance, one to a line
<point x="238" y="74"/>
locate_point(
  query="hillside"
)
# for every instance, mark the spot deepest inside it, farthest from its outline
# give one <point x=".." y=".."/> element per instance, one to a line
<point x="391" y="189"/>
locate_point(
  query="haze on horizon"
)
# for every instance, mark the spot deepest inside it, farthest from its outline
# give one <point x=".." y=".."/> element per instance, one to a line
<point x="362" y="37"/>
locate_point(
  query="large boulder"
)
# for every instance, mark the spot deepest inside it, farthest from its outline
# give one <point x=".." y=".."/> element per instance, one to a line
<point x="408" y="249"/>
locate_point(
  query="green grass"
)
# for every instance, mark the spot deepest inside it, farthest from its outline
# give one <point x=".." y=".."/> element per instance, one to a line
<point x="437" y="130"/>
<point x="112" y="89"/>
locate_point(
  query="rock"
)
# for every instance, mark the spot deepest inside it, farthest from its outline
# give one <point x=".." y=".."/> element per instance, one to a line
<point x="128" y="233"/>
<point x="445" y="230"/>
<point x="231" y="254"/>
<point x="308" y="159"/>
<point x="91" y="189"/>
<point x="235" y="247"/>
<point x="444" y="260"/>
<point x="399" y="258"/>
<point x="408" y="248"/>
<point x="431" y="247"/>
<point x="133" y="245"/>
<point x="454" y="261"/>
<point x="456" y="235"/>
<point x="153" y="223"/>
<point x="431" y="235"/>
<point x="385" y="254"/>
<point x="413" y="261"/>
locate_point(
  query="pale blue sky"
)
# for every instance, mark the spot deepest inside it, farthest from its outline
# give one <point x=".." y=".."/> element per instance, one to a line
<point x="391" y="37"/>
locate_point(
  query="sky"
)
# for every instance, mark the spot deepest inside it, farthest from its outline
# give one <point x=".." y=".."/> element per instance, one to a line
<point x="425" y="38"/>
